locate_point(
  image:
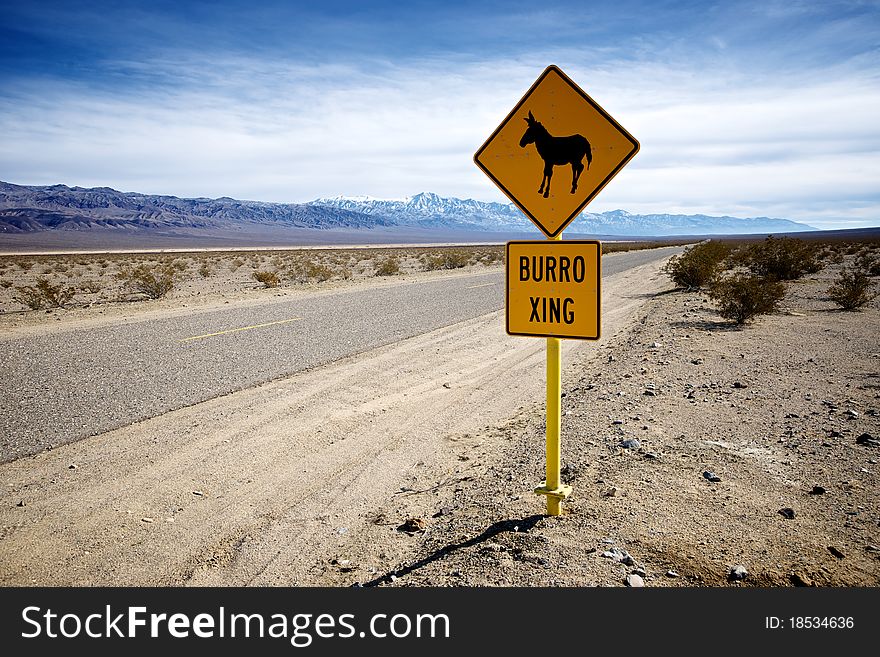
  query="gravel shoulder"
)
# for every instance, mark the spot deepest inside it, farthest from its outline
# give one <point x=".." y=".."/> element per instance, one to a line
<point x="773" y="413"/>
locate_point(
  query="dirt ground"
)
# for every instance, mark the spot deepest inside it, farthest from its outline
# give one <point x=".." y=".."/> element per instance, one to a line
<point x="774" y="411"/>
<point x="414" y="464"/>
<point x="108" y="282"/>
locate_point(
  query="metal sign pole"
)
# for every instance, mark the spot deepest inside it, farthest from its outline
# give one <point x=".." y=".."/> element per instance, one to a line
<point x="554" y="423"/>
<point x="553" y="488"/>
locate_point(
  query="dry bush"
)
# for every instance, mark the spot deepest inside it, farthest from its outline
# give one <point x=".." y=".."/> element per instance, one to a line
<point x="267" y="278"/>
<point x="447" y="259"/>
<point x="204" y="270"/>
<point x="235" y="264"/>
<point x="698" y="265"/>
<point x="306" y="271"/>
<point x="5" y="284"/>
<point x="25" y="264"/>
<point x="868" y="263"/>
<point x="851" y="289"/>
<point x="154" y="284"/>
<point x="90" y="287"/>
<point x="742" y="297"/>
<point x="297" y="272"/>
<point x="44" y="294"/>
<point x="492" y="256"/>
<point x="316" y="271"/>
<point x="781" y="258"/>
<point x="388" y="267"/>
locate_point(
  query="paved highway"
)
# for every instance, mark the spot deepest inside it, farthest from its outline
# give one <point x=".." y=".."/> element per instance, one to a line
<point x="62" y="387"/>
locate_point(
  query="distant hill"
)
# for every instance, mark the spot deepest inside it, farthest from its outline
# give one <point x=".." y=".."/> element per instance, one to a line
<point x="58" y="207"/>
<point x="28" y="209"/>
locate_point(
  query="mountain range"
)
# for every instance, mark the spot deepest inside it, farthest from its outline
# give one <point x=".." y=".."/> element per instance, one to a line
<point x="27" y="209"/>
<point x="428" y="209"/>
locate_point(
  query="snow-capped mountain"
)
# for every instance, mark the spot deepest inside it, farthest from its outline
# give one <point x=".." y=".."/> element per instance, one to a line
<point x="430" y="210"/>
<point x="621" y="222"/>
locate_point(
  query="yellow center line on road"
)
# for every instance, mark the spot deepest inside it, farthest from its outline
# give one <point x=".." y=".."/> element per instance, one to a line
<point x="243" y="328"/>
<point x="471" y="287"/>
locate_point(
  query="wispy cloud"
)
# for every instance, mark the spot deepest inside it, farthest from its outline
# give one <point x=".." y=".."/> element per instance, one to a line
<point x="723" y="130"/>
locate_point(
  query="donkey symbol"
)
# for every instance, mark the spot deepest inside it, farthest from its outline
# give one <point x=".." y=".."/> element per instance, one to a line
<point x="557" y="151"/>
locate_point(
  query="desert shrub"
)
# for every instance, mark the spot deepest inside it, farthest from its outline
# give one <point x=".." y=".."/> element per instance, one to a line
<point x="297" y="272"/>
<point x="154" y="284"/>
<point x="90" y="287"/>
<point x="316" y="271"/>
<point x="851" y="289"/>
<point x="454" y="259"/>
<point x="267" y="278"/>
<point x="493" y="256"/>
<point x="235" y="264"/>
<point x="388" y="267"/>
<point x="742" y="297"/>
<point x="5" y="284"/>
<point x="781" y="258"/>
<point x="344" y="272"/>
<point x="306" y="271"/>
<point x="29" y="296"/>
<point x="25" y="264"/>
<point x="698" y="265"/>
<point x="44" y="294"/>
<point x="868" y="263"/>
<point x="204" y="270"/>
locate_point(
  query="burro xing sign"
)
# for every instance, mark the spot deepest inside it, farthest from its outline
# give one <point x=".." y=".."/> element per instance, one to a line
<point x="551" y="155"/>
<point x="553" y="288"/>
<point x="555" y="151"/>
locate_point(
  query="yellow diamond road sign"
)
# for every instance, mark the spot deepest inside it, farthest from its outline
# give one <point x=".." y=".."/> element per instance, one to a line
<point x="555" y="151"/>
<point x="554" y="288"/>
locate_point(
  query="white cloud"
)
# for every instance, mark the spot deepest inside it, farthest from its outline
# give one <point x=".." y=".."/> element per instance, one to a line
<point x="716" y="141"/>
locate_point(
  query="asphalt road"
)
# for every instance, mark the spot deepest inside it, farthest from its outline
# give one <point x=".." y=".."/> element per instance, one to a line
<point x="61" y="388"/>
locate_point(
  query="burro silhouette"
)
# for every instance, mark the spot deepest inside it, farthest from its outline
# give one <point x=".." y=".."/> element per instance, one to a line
<point x="557" y="151"/>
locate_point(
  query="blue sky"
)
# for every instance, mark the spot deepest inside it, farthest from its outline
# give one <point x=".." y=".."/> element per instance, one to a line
<point x="743" y="108"/>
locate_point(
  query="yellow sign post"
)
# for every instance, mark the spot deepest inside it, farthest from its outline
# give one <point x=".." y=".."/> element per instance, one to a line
<point x="553" y="287"/>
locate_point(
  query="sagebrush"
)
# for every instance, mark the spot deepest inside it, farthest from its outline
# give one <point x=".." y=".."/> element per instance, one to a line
<point x="388" y="267"/>
<point x="267" y="278"/>
<point x="781" y="258"/>
<point x="44" y="295"/>
<point x="698" y="265"/>
<point x="742" y="297"/>
<point x="851" y="289"/>
<point x="152" y="283"/>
